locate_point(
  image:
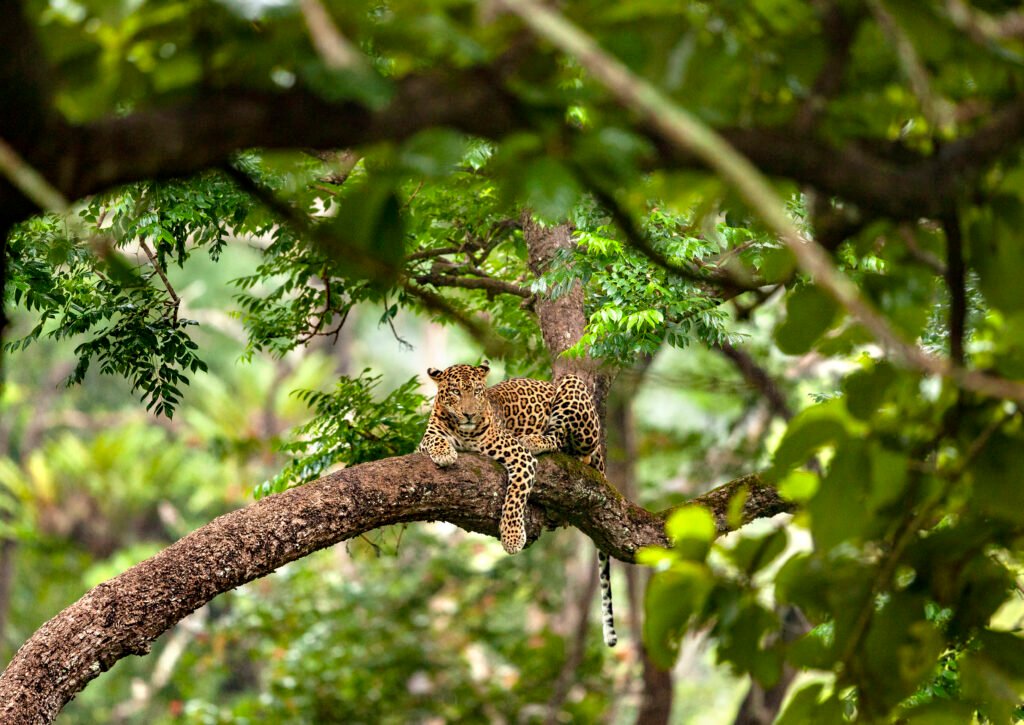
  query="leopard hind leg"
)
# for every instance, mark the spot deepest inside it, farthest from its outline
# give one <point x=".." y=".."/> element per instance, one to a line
<point x="573" y="426"/>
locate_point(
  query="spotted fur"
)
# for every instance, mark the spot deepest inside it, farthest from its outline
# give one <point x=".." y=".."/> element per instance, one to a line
<point x="510" y="422"/>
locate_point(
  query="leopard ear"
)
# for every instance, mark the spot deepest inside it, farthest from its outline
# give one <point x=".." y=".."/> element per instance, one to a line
<point x="485" y="366"/>
<point x="434" y="373"/>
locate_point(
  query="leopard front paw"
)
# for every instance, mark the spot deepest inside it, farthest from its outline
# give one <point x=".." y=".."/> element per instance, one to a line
<point x="513" y="540"/>
<point x="443" y="458"/>
<point x="534" y="444"/>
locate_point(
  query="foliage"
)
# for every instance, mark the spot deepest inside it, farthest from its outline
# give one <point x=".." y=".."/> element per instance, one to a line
<point x="444" y="639"/>
<point x="907" y="485"/>
<point x="350" y="427"/>
<point x="635" y="307"/>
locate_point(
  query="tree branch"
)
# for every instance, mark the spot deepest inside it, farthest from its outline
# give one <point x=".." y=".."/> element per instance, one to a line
<point x="758" y="378"/>
<point x="175" y="300"/>
<point x="839" y="24"/>
<point x="124" y="615"/>
<point x="334" y="49"/>
<point x="370" y="266"/>
<point x="495" y="286"/>
<point x="205" y="131"/>
<point x="29" y="181"/>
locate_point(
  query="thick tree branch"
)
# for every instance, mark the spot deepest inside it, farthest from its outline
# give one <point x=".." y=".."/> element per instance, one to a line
<point x="124" y="615"/>
<point x="839" y="24"/>
<point x="26" y="115"/>
<point x="205" y="131"/>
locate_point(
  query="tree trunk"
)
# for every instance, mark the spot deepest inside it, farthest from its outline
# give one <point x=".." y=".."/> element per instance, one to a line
<point x="562" y="320"/>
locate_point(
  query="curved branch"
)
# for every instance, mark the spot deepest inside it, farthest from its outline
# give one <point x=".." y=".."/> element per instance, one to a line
<point x="205" y="131"/>
<point x="124" y="615"/>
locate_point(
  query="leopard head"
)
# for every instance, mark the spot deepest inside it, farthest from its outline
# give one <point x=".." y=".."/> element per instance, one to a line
<point x="460" y="394"/>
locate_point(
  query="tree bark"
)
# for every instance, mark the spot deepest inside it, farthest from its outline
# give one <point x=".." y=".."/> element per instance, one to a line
<point x="562" y="319"/>
<point x="125" y="614"/>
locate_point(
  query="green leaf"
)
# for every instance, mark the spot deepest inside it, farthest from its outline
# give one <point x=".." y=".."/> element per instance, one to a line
<point x="799" y="486"/>
<point x="741" y="630"/>
<point x="838" y="510"/>
<point x="808" y="707"/>
<point x="673" y="599"/>
<point x="777" y="264"/>
<point x="434" y="152"/>
<point x="994" y="690"/>
<point x="995" y="251"/>
<point x="899" y="651"/>
<point x="945" y="712"/>
<point x="889" y="472"/>
<point x="691" y="530"/>
<point x="750" y="554"/>
<point x="995" y="493"/>
<point x="813" y="651"/>
<point x="550" y="189"/>
<point x="866" y="389"/>
<point x="811" y="429"/>
<point x="809" y="313"/>
<point x="367" y="237"/>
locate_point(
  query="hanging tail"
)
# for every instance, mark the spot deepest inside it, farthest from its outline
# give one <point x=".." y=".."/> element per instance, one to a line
<point x="604" y="569"/>
<point x="607" y="614"/>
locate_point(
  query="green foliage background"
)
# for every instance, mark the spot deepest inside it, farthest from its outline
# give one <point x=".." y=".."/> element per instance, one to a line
<point x="214" y="328"/>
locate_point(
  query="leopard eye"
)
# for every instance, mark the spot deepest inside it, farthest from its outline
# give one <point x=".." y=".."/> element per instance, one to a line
<point x="457" y="393"/>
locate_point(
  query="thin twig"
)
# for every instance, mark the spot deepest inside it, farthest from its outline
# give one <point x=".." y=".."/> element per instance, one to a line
<point x="758" y="378"/>
<point x="413" y="195"/>
<point x="982" y="27"/>
<point x="920" y="254"/>
<point x="935" y="108"/>
<point x="428" y="253"/>
<point x="636" y="239"/>
<point x="315" y="330"/>
<point x="688" y="134"/>
<point x="175" y="300"/>
<point x="402" y="342"/>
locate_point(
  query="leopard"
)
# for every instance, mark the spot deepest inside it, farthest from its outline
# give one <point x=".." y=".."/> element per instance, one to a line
<point x="511" y="422"/>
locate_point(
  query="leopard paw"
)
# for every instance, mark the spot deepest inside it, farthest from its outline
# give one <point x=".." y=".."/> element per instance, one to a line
<point x="443" y="459"/>
<point x="535" y="444"/>
<point x="513" y="541"/>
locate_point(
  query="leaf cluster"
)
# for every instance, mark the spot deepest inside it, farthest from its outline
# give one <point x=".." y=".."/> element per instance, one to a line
<point x="349" y="427"/>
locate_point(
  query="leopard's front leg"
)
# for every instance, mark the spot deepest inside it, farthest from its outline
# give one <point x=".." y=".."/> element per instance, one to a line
<point x="439" y="448"/>
<point x="522" y="469"/>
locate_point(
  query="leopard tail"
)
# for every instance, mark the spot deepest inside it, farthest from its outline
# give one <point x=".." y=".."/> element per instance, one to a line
<point x="607" y="614"/>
